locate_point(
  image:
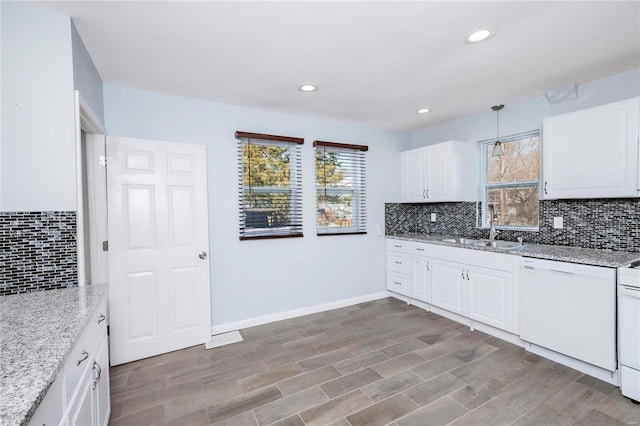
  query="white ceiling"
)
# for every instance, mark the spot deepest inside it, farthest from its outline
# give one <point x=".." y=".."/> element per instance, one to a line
<point x="375" y="62"/>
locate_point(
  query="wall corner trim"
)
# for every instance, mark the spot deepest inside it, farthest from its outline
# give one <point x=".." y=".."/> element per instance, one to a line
<point x="252" y="322"/>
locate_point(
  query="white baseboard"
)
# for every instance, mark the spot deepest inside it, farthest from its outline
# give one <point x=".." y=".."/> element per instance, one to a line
<point x="252" y="322"/>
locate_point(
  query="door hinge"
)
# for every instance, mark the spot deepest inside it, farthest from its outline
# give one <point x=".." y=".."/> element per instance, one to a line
<point x="102" y="160"/>
<point x="105" y="246"/>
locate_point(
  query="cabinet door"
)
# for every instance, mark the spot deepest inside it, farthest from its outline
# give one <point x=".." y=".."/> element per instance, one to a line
<point x="102" y="399"/>
<point x="438" y="172"/>
<point x="413" y="175"/>
<point x="592" y="153"/>
<point x="490" y="297"/>
<point x="448" y="285"/>
<point x="421" y="277"/>
<point x="81" y="411"/>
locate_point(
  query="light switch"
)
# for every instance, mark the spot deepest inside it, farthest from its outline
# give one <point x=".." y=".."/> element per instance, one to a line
<point x="433" y="217"/>
<point x="558" y="222"/>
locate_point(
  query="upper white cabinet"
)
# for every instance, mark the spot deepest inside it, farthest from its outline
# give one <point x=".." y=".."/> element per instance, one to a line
<point x="434" y="173"/>
<point x="592" y="153"/>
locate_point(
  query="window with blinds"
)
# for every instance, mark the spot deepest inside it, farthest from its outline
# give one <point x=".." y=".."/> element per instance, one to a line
<point x="270" y="176"/>
<point x="340" y="188"/>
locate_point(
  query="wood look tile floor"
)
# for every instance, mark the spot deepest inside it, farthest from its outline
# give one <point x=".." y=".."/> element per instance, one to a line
<point x="375" y="363"/>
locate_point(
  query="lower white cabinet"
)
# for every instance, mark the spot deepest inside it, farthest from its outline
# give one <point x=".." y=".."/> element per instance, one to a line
<point x="408" y="269"/>
<point x="449" y="286"/>
<point x="479" y="285"/>
<point x="80" y="394"/>
<point x="482" y="286"/>
<point x="92" y="403"/>
<point x="490" y="297"/>
<point x="421" y="278"/>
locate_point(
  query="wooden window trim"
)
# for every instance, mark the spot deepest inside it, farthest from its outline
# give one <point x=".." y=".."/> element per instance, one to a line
<point x="341" y="145"/>
<point x="248" y="135"/>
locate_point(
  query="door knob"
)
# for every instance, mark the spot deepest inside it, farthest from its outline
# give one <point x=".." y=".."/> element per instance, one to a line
<point x="202" y="255"/>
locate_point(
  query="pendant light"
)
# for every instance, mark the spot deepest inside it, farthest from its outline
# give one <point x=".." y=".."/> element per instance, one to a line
<point x="497" y="147"/>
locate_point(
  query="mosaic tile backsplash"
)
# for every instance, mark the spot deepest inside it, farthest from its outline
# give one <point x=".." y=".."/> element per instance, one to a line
<point x="612" y="224"/>
<point x="37" y="251"/>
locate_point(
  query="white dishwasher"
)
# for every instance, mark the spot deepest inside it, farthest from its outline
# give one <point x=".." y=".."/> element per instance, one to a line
<point x="629" y="331"/>
<point x="571" y="309"/>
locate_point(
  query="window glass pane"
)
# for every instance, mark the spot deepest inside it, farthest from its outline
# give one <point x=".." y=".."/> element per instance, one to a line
<point x="520" y="162"/>
<point x="517" y="206"/>
<point x="335" y="210"/>
<point x="270" y="189"/>
<point x="267" y="209"/>
<point x="265" y="165"/>
<point x="339" y="190"/>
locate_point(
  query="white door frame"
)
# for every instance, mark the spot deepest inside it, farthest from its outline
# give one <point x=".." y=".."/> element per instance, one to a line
<point x="86" y="120"/>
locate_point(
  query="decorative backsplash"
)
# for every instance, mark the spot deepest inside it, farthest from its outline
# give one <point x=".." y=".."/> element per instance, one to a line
<point x="612" y="224"/>
<point x="37" y="251"/>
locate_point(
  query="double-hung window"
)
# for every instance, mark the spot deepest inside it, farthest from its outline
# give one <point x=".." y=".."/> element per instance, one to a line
<point x="340" y="188"/>
<point x="270" y="178"/>
<point x="510" y="182"/>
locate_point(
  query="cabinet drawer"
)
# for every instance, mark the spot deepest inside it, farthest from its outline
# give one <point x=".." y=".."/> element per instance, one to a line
<point x="398" y="262"/>
<point x="399" y="283"/>
<point x="400" y="246"/>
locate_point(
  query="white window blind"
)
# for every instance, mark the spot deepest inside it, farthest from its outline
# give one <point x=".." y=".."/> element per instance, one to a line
<point x="270" y="177"/>
<point x="340" y="188"/>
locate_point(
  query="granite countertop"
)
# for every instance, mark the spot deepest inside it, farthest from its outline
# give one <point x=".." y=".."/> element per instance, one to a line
<point x="37" y="332"/>
<point x="607" y="258"/>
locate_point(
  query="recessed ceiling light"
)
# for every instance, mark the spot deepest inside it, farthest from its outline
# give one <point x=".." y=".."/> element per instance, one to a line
<point x="422" y="110"/>
<point x="480" y="34"/>
<point x="308" y="88"/>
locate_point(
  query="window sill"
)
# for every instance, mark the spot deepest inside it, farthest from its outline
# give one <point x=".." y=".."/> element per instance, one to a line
<point x="270" y="237"/>
<point x="324" y="234"/>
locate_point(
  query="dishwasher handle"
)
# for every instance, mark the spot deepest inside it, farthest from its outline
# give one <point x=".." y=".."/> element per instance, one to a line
<point x="624" y="290"/>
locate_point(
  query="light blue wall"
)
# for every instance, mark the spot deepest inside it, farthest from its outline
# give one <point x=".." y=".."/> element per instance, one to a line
<point x="86" y="78"/>
<point x="256" y="278"/>
<point x="38" y="163"/>
<point x="528" y="114"/>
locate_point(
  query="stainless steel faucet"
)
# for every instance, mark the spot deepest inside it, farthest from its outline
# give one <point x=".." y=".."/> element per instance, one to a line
<point x="492" y="216"/>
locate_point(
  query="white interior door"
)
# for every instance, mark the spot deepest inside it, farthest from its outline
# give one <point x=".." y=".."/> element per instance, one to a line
<point x="158" y="236"/>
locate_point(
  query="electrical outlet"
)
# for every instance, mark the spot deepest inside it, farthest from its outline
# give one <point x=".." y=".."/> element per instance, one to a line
<point x="558" y="222"/>
<point x="433" y="217"/>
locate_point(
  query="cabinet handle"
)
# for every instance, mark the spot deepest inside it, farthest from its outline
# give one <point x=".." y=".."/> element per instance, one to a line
<point x="101" y="318"/>
<point x="545" y="188"/>
<point x="467" y="275"/>
<point x="397" y="246"/>
<point x="462" y="273"/>
<point x="397" y="283"/>
<point x="427" y="193"/>
<point x="419" y="249"/>
<point x="428" y="266"/>
<point x="85" y="355"/>
<point x="423" y="192"/>
<point x="397" y="263"/>
<point x="97" y="368"/>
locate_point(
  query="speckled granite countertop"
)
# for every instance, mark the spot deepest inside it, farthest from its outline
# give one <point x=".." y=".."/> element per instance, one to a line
<point x="611" y="259"/>
<point x="37" y="332"/>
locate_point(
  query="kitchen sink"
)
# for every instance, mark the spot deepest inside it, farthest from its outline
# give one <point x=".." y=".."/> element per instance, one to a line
<point x="460" y="240"/>
<point x="485" y="243"/>
<point x="499" y="244"/>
